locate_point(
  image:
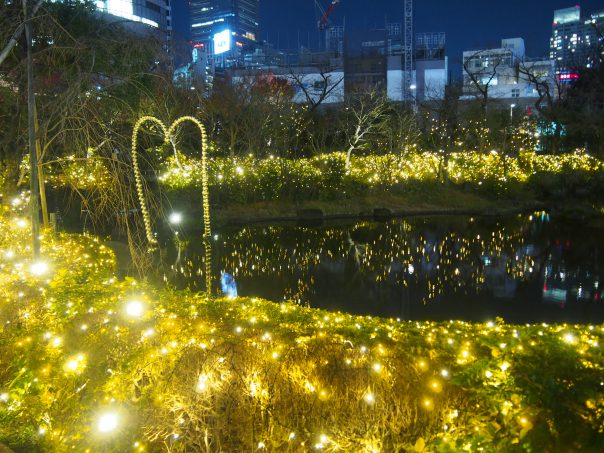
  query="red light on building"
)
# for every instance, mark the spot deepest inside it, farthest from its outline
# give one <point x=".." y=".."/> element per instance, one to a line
<point x="568" y="76"/>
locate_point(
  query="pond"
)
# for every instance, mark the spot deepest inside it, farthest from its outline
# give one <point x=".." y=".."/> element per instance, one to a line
<point x="526" y="268"/>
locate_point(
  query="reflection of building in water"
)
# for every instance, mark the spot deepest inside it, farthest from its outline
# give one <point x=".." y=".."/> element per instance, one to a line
<point x="568" y="280"/>
<point x="431" y="258"/>
<point x="397" y="268"/>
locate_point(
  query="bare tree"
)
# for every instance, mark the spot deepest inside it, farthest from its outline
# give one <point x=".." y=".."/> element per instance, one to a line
<point x="481" y="71"/>
<point x="14" y="38"/>
<point x="442" y="128"/>
<point x="365" y="116"/>
<point x="317" y="85"/>
<point x="549" y="90"/>
<point x="402" y="133"/>
<point x="226" y="109"/>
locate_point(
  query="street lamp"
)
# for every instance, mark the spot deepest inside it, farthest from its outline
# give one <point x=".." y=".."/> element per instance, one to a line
<point x="412" y="89"/>
<point x="512" y="111"/>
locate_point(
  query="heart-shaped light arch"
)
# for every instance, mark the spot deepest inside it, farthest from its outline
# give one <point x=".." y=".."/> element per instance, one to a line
<point x="207" y="234"/>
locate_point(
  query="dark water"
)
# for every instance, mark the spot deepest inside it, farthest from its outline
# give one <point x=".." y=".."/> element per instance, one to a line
<point x="526" y="268"/>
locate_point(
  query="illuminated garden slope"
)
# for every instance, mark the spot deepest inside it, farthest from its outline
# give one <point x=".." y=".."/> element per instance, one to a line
<point x="245" y="180"/>
<point x="88" y="361"/>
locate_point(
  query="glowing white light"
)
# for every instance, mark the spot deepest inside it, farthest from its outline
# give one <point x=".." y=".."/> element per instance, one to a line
<point x="9" y="254"/>
<point x="202" y="383"/>
<point x="444" y="373"/>
<point x="39" y="268"/>
<point x="135" y="309"/>
<point x="107" y="422"/>
<point x="4" y="397"/>
<point x="175" y="218"/>
<point x="369" y="398"/>
<point x="569" y="338"/>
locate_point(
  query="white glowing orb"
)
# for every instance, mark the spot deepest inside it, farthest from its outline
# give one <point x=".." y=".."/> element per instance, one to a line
<point x="569" y="338"/>
<point x="175" y="218"/>
<point x="135" y="309"/>
<point x="107" y="422"/>
<point x="39" y="268"/>
<point x="202" y="383"/>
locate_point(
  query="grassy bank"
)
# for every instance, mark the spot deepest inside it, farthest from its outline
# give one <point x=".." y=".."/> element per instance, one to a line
<point x="82" y="366"/>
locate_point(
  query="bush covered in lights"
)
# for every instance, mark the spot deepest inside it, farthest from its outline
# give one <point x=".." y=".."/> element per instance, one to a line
<point x="90" y="361"/>
<point x="244" y="180"/>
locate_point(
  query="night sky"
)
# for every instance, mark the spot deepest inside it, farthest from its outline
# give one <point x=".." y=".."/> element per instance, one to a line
<point x="469" y="24"/>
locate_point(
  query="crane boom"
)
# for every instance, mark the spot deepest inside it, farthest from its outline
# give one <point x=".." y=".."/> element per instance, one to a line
<point x="324" y="20"/>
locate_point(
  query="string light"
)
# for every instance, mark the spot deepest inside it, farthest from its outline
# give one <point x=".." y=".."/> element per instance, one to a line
<point x="168" y="133"/>
<point x="39" y="268"/>
<point x="184" y="375"/>
<point x="135" y="309"/>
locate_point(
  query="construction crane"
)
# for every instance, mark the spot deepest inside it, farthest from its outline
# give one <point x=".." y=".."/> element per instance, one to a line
<point x="408" y="94"/>
<point x="323" y="22"/>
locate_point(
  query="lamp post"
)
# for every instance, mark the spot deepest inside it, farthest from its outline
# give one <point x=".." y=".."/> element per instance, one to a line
<point x="512" y="112"/>
<point x="412" y="89"/>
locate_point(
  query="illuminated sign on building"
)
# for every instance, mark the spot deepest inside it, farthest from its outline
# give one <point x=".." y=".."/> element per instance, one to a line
<point x="222" y="42"/>
<point x="568" y="76"/>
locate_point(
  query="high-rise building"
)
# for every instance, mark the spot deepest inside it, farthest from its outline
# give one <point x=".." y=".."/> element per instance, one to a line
<point x="224" y="25"/>
<point x="576" y="40"/>
<point x="154" y="13"/>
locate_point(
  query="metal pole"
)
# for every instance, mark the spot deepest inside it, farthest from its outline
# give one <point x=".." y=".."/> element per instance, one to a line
<point x="33" y="156"/>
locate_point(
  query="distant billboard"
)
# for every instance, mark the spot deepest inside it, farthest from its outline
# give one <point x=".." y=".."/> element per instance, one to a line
<point x="222" y="42"/>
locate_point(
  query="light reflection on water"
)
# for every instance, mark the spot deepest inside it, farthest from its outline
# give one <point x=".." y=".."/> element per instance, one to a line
<point x="525" y="268"/>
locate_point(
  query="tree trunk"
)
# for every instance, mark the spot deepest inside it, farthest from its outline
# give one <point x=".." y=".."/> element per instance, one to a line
<point x="41" y="183"/>
<point x="33" y="155"/>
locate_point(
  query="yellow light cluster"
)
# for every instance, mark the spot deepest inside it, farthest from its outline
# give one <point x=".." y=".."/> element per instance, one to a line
<point x="264" y="178"/>
<point x="156" y="369"/>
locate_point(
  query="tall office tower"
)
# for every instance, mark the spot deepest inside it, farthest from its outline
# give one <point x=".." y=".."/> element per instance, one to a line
<point x="224" y="25"/>
<point x="155" y="13"/>
<point x="576" y="40"/>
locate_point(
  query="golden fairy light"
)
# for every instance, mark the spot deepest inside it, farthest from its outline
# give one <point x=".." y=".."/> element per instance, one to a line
<point x="197" y="364"/>
<point x="168" y="132"/>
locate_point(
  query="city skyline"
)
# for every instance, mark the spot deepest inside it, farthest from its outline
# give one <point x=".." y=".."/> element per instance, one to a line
<point x="468" y="24"/>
